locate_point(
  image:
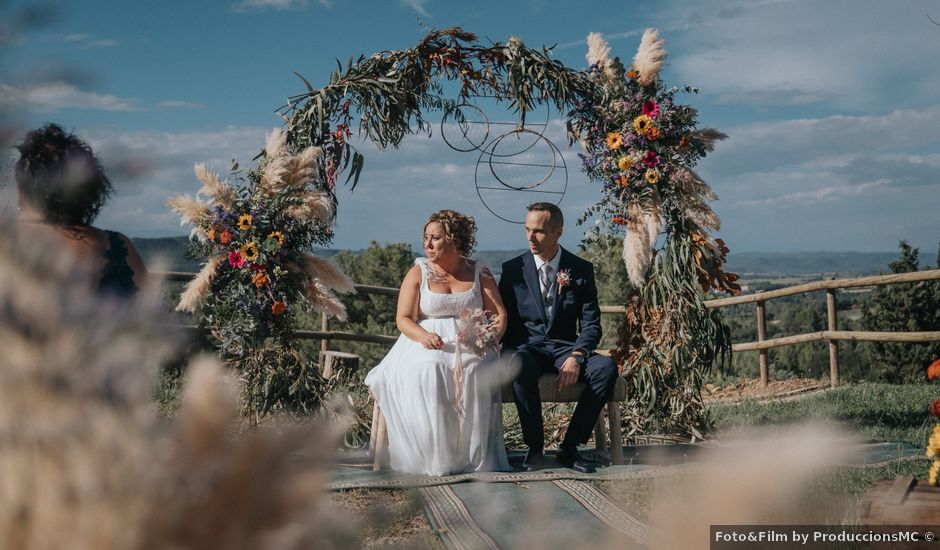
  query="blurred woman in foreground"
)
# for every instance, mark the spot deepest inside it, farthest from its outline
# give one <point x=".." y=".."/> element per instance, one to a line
<point x="62" y="187"/>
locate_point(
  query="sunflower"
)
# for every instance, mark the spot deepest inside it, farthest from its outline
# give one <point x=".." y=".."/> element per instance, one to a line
<point x="277" y="235"/>
<point x="249" y="251"/>
<point x="651" y="176"/>
<point x="614" y="140"/>
<point x="641" y="123"/>
<point x="244" y="222"/>
<point x="624" y="163"/>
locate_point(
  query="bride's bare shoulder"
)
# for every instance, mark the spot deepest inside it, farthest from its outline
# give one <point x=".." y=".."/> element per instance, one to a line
<point x="413" y="277"/>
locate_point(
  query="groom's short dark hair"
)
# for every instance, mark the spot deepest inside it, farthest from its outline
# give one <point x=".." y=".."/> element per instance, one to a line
<point x="555" y="217"/>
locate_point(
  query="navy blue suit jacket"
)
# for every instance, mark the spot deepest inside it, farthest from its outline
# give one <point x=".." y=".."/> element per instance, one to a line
<point x="576" y="317"/>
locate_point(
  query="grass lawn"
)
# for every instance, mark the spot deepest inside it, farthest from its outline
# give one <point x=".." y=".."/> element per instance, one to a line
<point x="863" y="411"/>
<point x="881" y="412"/>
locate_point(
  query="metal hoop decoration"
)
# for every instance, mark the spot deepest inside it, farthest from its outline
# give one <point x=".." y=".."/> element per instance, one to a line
<point x="462" y="124"/>
<point x="476" y="174"/>
<point x="523" y="128"/>
<point x="491" y="149"/>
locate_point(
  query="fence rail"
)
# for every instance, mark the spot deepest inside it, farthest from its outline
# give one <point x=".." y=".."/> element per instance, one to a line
<point x="833" y="335"/>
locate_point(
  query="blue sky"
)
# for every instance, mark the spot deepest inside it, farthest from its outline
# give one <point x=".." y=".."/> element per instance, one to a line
<point x="831" y="105"/>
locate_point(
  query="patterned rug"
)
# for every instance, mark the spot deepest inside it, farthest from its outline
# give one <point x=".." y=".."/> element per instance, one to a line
<point x="354" y="471"/>
<point x="542" y="514"/>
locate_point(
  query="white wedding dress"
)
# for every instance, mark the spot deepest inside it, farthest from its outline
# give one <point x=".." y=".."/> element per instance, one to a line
<point x="416" y="387"/>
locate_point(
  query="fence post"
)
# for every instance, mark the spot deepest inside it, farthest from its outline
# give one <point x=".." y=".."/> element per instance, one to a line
<point x="761" y="336"/>
<point x="833" y="344"/>
<point x="325" y="327"/>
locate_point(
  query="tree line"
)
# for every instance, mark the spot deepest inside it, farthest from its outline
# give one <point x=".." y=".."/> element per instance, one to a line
<point x="892" y="308"/>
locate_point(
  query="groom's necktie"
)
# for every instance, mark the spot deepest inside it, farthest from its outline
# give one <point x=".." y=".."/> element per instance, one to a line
<point x="548" y="282"/>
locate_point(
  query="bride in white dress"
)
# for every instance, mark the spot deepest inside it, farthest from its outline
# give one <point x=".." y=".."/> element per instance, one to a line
<point x="440" y="401"/>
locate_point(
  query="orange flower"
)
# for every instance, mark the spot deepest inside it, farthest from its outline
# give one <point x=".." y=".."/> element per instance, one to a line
<point x="619" y="220"/>
<point x="211" y="233"/>
<point x="260" y="279"/>
<point x="632" y="74"/>
<point x="933" y="371"/>
<point x="278" y="308"/>
<point x="652" y="133"/>
<point x="935" y="408"/>
<point x="623" y="181"/>
<point x="614" y="141"/>
<point x="225" y="237"/>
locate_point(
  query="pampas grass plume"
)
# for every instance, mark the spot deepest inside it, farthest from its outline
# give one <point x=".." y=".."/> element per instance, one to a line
<point x="316" y="206"/>
<point x="650" y="57"/>
<point x="275" y="143"/>
<point x="191" y="210"/>
<point x="327" y="273"/>
<point x="198" y="288"/>
<point x="214" y="187"/>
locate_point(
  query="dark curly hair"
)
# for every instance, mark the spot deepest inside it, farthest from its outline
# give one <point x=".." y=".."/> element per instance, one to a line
<point x="60" y="176"/>
<point x="459" y="229"/>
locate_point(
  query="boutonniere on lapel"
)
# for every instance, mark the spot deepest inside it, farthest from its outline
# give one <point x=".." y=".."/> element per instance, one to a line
<point x="563" y="279"/>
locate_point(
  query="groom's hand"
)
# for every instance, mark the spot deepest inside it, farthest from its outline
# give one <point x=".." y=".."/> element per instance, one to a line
<point x="569" y="373"/>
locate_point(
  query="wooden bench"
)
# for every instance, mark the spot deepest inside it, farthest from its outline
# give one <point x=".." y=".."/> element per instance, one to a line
<point x="548" y="389"/>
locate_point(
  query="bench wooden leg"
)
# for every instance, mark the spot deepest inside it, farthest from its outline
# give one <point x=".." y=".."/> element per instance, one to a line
<point x="378" y="440"/>
<point x="616" y="432"/>
<point x="600" y="434"/>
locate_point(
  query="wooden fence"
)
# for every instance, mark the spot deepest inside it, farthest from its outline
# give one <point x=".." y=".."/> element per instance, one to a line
<point x="833" y="335"/>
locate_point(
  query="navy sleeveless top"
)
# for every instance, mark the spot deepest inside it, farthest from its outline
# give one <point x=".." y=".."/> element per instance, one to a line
<point x="117" y="276"/>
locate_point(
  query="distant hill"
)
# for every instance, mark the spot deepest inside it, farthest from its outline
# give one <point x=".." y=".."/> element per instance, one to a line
<point x="173" y="249"/>
<point x="801" y="263"/>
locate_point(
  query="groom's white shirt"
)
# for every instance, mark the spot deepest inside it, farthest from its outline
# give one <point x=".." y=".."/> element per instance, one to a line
<point x="539" y="262"/>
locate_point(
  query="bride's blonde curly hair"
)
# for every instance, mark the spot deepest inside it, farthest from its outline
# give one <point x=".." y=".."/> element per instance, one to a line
<point x="459" y="229"/>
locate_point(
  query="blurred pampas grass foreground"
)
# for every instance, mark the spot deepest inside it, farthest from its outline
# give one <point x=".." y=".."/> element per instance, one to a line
<point x="86" y="462"/>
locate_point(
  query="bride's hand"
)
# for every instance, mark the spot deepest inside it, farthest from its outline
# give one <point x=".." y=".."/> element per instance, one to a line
<point x="432" y="341"/>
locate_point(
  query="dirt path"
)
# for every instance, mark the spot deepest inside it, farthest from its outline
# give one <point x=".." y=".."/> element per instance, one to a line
<point x="389" y="519"/>
<point x="751" y="389"/>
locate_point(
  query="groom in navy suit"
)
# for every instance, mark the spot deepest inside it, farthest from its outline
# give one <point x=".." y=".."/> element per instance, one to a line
<point x="553" y="326"/>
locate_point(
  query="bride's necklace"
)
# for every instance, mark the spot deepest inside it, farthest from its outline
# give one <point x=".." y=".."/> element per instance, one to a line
<point x="437" y="277"/>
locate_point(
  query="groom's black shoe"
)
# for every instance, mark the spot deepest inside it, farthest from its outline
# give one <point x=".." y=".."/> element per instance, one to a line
<point x="569" y="458"/>
<point x="534" y="460"/>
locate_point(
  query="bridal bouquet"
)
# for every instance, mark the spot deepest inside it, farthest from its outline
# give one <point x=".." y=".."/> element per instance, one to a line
<point x="478" y="331"/>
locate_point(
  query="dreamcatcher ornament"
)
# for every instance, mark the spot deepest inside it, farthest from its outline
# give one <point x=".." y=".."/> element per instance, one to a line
<point x="642" y="147"/>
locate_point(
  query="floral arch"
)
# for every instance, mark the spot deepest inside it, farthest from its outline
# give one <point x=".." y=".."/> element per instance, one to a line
<point x="640" y="147"/>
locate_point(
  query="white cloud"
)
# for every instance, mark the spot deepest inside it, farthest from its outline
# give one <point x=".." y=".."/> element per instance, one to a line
<point x="830" y="183"/>
<point x="179" y="104"/>
<point x="800" y="51"/>
<point x="88" y="41"/>
<point x="55" y="96"/>
<point x="417" y="5"/>
<point x="278" y="5"/>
